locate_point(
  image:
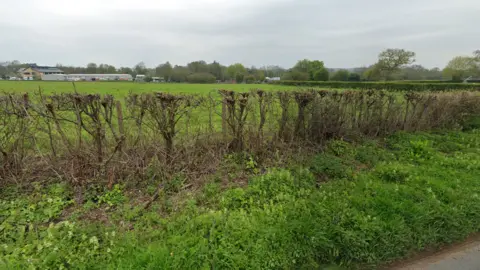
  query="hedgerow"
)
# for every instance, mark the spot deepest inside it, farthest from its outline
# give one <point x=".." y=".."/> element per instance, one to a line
<point x="389" y="86"/>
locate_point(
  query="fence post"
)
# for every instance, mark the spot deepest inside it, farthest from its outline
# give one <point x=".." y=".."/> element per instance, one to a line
<point x="224" y="119"/>
<point x="120" y="123"/>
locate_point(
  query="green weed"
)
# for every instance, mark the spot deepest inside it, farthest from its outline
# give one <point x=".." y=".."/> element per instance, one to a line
<point x="330" y="167"/>
<point x="112" y="197"/>
<point x="414" y="197"/>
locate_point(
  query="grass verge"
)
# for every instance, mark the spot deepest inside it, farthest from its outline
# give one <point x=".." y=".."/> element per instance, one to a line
<point x="354" y="206"/>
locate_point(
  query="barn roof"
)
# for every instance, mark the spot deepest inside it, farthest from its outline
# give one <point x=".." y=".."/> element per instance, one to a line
<point x="47" y="69"/>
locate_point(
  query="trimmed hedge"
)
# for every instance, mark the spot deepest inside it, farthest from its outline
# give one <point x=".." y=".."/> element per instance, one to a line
<point x="390" y="86"/>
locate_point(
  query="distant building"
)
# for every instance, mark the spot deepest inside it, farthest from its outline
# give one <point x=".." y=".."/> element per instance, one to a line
<point x="35" y="71"/>
<point x="87" y="77"/>
<point x="272" y="79"/>
<point x="140" y="78"/>
<point x="158" y="79"/>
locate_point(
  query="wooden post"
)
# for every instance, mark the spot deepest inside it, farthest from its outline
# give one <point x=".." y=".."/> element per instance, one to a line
<point x="224" y="119"/>
<point x="121" y="129"/>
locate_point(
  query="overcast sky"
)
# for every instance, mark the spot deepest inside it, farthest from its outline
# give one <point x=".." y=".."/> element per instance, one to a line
<point x="346" y="33"/>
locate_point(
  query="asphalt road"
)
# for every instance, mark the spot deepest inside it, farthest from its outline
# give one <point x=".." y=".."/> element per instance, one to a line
<point x="465" y="256"/>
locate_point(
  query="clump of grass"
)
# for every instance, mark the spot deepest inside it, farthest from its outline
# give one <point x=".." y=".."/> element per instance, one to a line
<point x="370" y="153"/>
<point x="327" y="166"/>
<point x="393" y="173"/>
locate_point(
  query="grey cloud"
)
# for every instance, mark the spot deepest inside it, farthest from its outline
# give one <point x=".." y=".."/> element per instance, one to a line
<point x="342" y="33"/>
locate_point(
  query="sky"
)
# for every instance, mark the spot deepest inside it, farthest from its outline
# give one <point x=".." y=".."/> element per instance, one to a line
<point x="343" y="34"/>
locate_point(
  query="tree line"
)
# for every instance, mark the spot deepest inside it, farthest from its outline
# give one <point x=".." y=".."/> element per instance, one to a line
<point x="196" y="71"/>
<point x="392" y="64"/>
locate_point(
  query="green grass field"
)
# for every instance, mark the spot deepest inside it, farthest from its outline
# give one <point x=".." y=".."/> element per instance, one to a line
<point x="121" y="89"/>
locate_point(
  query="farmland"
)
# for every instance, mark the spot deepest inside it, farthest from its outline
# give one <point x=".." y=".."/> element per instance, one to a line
<point x="178" y="176"/>
<point x="121" y="89"/>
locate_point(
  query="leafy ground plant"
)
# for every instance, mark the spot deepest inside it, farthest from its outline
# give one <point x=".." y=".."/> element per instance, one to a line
<point x="416" y="195"/>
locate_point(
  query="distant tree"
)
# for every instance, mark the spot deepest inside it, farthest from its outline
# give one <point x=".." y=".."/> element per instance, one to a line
<point x="360" y="70"/>
<point x="302" y="66"/>
<point x="164" y="70"/>
<point x="477" y="54"/>
<point x="321" y="75"/>
<point x="198" y="66"/>
<point x="148" y="79"/>
<point x="372" y="73"/>
<point x="287" y="76"/>
<point x="300" y="76"/>
<point x="179" y="74"/>
<point x="216" y="69"/>
<point x="101" y="69"/>
<point x="3" y="72"/>
<point x="414" y="72"/>
<point x="250" y="79"/>
<point x="295" y="76"/>
<point x="273" y="71"/>
<point x="418" y="72"/>
<point x="460" y="68"/>
<point x="236" y="70"/>
<point x="204" y="77"/>
<point x="434" y="74"/>
<point x="91" y="68"/>
<point x="106" y="69"/>
<point x="110" y="69"/>
<point x="225" y="75"/>
<point x="239" y="77"/>
<point x="340" y="75"/>
<point x="140" y="68"/>
<point x="260" y="75"/>
<point x="391" y="60"/>
<point x="125" y="70"/>
<point x="315" y="69"/>
<point x="354" y="77"/>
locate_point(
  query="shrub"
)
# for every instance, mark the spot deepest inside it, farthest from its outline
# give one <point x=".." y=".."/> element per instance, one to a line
<point x="250" y="79"/>
<point x="234" y="198"/>
<point x="354" y="77"/>
<point x="201" y="78"/>
<point x="471" y="123"/>
<point x="295" y="76"/>
<point x="390" y="86"/>
<point x="340" y="148"/>
<point x="321" y="75"/>
<point x="420" y="149"/>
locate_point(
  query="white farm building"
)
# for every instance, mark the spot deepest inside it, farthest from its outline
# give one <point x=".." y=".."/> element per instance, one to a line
<point x="88" y="77"/>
